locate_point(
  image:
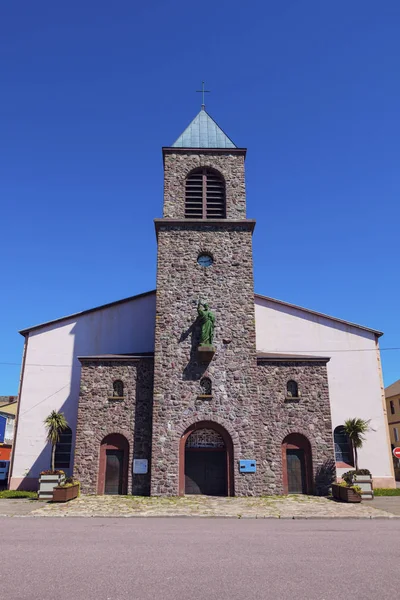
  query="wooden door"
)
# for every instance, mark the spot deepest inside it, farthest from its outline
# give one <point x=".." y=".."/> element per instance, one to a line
<point x="114" y="472"/>
<point x="296" y="472"/>
<point x="206" y="472"/>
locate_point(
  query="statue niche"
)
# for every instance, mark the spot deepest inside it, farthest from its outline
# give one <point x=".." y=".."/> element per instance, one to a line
<point x="206" y="319"/>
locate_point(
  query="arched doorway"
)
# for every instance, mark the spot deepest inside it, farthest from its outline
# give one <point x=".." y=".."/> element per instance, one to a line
<point x="113" y="468"/>
<point x="206" y="460"/>
<point x="297" y="465"/>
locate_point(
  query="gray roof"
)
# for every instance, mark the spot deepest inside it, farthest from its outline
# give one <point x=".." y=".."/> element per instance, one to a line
<point x="203" y="132"/>
<point x="277" y="356"/>
<point x="108" y="357"/>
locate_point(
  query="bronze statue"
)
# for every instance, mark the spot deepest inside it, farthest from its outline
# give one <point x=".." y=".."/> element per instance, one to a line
<point x="207" y="321"/>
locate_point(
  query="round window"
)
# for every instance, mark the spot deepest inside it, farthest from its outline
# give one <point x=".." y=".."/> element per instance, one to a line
<point x="205" y="260"/>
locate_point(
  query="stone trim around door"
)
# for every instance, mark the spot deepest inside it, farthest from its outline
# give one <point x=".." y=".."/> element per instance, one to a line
<point x="229" y="453"/>
<point x="297" y="441"/>
<point x="113" y="441"/>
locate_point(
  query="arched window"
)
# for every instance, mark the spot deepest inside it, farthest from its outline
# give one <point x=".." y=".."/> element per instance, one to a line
<point x="205" y="195"/>
<point x="292" y="389"/>
<point x="206" y="386"/>
<point x="63" y="450"/>
<point x="118" y="388"/>
<point x="343" y="449"/>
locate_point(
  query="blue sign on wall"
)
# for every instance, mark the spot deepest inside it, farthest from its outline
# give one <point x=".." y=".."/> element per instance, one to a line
<point x="247" y="466"/>
<point x="3" y="422"/>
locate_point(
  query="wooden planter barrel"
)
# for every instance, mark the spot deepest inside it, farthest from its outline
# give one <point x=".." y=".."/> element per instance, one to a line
<point x="345" y="494"/>
<point x="63" y="494"/>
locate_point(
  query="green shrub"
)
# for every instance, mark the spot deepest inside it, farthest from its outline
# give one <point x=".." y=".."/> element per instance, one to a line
<point x="17" y="494"/>
<point x="348" y="477"/>
<point x="387" y="492"/>
<point x="52" y="472"/>
<point x="69" y="482"/>
<point x="363" y="472"/>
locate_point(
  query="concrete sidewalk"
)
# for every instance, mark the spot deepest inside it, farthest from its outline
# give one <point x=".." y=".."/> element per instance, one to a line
<point x="286" y="507"/>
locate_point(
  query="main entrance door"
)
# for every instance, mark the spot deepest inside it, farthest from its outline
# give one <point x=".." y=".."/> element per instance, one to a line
<point x="114" y="471"/>
<point x="296" y="472"/>
<point x="206" y="464"/>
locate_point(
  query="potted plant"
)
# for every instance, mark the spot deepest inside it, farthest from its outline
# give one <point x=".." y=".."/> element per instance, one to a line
<point x="363" y="479"/>
<point x="356" y="430"/>
<point x="346" y="493"/>
<point x="66" y="491"/>
<point x="55" y="423"/>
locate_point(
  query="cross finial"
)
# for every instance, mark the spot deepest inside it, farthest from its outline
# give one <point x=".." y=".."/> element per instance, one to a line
<point x="203" y="91"/>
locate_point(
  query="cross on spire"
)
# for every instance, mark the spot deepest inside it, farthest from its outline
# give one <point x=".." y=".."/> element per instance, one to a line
<point x="203" y="91"/>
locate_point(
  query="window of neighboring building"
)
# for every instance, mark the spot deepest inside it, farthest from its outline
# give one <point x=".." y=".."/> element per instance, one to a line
<point x="292" y="389"/>
<point x="118" y="388"/>
<point x="343" y="449"/>
<point x="205" y="195"/>
<point x="63" y="450"/>
<point x="396" y="434"/>
<point x="392" y="407"/>
<point x="9" y="433"/>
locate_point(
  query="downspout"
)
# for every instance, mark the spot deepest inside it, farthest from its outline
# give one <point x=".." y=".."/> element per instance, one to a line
<point x="21" y="380"/>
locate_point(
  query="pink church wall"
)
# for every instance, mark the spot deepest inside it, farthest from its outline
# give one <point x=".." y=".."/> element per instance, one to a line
<point x="354" y="377"/>
<point x="52" y="373"/>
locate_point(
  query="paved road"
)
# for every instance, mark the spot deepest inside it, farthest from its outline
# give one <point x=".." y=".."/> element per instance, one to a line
<point x="207" y="559"/>
<point x="389" y="503"/>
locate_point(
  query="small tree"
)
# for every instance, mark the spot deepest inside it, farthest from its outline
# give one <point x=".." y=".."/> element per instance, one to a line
<point x="55" y="423"/>
<point x="356" y="430"/>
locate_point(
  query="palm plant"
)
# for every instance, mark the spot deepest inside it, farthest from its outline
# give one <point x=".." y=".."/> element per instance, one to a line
<point x="55" y="423"/>
<point x="356" y="430"/>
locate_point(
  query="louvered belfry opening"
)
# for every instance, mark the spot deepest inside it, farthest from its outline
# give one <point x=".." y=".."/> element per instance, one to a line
<point x="205" y="195"/>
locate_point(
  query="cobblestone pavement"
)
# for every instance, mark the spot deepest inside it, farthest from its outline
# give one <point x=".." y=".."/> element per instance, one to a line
<point x="199" y="506"/>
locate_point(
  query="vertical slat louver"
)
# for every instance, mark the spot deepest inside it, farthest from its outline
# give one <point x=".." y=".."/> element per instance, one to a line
<point x="205" y="195"/>
<point x="194" y="196"/>
<point x="215" y="197"/>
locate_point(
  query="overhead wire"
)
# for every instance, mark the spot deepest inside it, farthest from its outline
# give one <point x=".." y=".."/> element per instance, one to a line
<point x="18" y="364"/>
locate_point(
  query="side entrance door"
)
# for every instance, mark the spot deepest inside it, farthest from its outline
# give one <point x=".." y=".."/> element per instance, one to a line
<point x="296" y="471"/>
<point x="114" y="472"/>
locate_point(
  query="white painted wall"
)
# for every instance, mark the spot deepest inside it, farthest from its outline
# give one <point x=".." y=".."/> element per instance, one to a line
<point x="353" y="373"/>
<point x="52" y="371"/>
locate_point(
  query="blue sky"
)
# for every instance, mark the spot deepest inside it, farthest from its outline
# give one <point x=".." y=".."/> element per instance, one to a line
<point x="91" y="91"/>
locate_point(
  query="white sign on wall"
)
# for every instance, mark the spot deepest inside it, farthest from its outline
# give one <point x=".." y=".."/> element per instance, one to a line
<point x="140" y="466"/>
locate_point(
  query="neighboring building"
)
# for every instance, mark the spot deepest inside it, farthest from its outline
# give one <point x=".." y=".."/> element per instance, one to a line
<point x="8" y="411"/>
<point x="392" y="394"/>
<point x="257" y="411"/>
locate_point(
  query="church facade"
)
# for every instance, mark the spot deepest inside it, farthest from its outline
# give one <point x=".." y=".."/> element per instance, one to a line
<point x="191" y="389"/>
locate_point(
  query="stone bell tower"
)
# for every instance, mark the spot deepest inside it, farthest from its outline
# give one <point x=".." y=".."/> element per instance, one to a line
<point x="204" y="254"/>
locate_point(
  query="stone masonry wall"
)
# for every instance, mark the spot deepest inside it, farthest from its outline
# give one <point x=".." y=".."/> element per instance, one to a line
<point x="178" y="166"/>
<point x="309" y="416"/>
<point x="99" y="416"/>
<point x="228" y="288"/>
<point x="248" y="400"/>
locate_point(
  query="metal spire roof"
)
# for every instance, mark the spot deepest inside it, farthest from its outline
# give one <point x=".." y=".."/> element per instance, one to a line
<point x="203" y="132"/>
